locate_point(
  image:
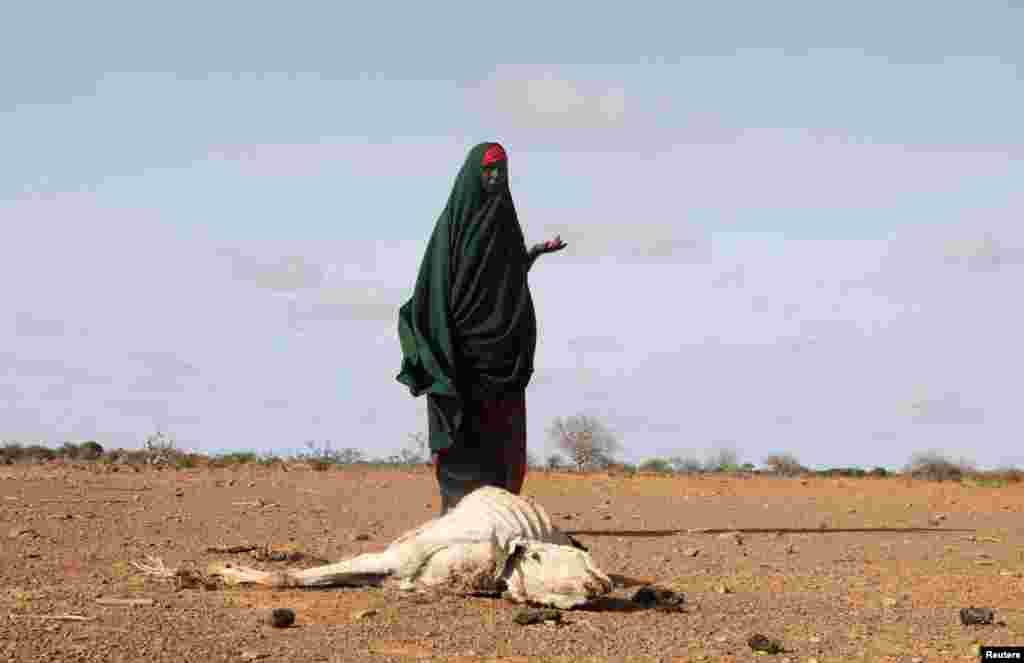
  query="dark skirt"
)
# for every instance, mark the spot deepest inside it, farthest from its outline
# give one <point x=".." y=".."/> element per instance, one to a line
<point x="492" y="453"/>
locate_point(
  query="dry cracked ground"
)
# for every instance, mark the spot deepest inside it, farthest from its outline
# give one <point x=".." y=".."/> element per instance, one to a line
<point x="834" y="569"/>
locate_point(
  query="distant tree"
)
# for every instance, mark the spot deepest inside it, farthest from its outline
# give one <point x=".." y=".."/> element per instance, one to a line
<point x="685" y="464"/>
<point x="935" y="466"/>
<point x="784" y="464"/>
<point x="415" y="452"/>
<point x="722" y="460"/>
<point x="656" y="465"/>
<point x="588" y="442"/>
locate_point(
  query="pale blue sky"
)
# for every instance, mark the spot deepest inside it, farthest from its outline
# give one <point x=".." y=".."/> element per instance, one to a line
<point x="793" y="227"/>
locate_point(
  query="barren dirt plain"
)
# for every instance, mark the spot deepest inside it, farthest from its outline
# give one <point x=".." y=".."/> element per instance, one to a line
<point x="835" y="569"/>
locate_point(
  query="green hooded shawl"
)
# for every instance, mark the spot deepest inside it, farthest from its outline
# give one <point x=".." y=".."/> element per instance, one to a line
<point x="469" y="329"/>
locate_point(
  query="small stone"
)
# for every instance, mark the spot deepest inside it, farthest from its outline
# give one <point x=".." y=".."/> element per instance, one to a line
<point x="759" y="642"/>
<point x="252" y="484"/>
<point x="361" y="537"/>
<point x="567" y="516"/>
<point x="658" y="597"/>
<point x="528" y="616"/>
<point x="363" y="614"/>
<point x="691" y="552"/>
<point x="281" y="617"/>
<point x="974" y="616"/>
<point x="179" y="492"/>
<point x="253" y="655"/>
<point x="606" y="516"/>
<point x="791" y="549"/>
<point x="723" y="589"/>
<point x="231" y="482"/>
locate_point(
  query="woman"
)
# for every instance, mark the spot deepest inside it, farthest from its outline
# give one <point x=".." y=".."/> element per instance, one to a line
<point x="468" y="333"/>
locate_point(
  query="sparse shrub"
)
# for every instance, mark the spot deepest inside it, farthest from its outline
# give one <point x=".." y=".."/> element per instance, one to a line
<point x="91" y="450"/>
<point x="656" y="465"/>
<point x="161" y="449"/>
<point x="587" y="441"/>
<point x="238" y="458"/>
<point x="847" y="472"/>
<point x="784" y="464"/>
<point x="68" y="450"/>
<point x="722" y="460"/>
<point x="879" y="472"/>
<point x="321" y="456"/>
<point x="555" y="462"/>
<point x="933" y="466"/>
<point x="12" y="451"/>
<point x="39" y="453"/>
<point x="1010" y="474"/>
<point x="685" y="464"/>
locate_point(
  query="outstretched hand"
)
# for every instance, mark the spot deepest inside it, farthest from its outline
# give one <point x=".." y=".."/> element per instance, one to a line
<point x="550" y="246"/>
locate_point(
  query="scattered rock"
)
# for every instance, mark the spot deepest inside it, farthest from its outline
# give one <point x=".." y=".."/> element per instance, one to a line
<point x="975" y="616"/>
<point x="528" y="616"/>
<point x="179" y="492"/>
<point x="361" y="537"/>
<point x="127" y="603"/>
<point x="281" y="617"/>
<point x="759" y="642"/>
<point x="723" y="589"/>
<point x="660" y="598"/>
<point x="252" y="484"/>
<point x="363" y="614"/>
<point x="606" y="516"/>
<point x="735" y="537"/>
<point x="231" y="482"/>
<point x="567" y="516"/>
<point x="691" y="552"/>
<point x="791" y="549"/>
<point x="253" y="655"/>
<point x="18" y="532"/>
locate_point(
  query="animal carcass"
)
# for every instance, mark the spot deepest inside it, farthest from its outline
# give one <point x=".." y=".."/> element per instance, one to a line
<point x="492" y="541"/>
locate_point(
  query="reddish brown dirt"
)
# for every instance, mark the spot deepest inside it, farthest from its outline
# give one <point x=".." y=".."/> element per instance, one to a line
<point x="836" y="569"/>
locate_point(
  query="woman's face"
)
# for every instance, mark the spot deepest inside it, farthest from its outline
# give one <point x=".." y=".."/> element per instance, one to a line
<point x="495" y="177"/>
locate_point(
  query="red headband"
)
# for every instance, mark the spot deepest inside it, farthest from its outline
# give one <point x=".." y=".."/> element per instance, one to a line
<point x="493" y="154"/>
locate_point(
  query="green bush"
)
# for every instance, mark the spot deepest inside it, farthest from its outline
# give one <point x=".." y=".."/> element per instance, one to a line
<point x="656" y="465"/>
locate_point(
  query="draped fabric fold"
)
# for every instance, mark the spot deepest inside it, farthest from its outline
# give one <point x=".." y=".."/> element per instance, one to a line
<point x="469" y="331"/>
